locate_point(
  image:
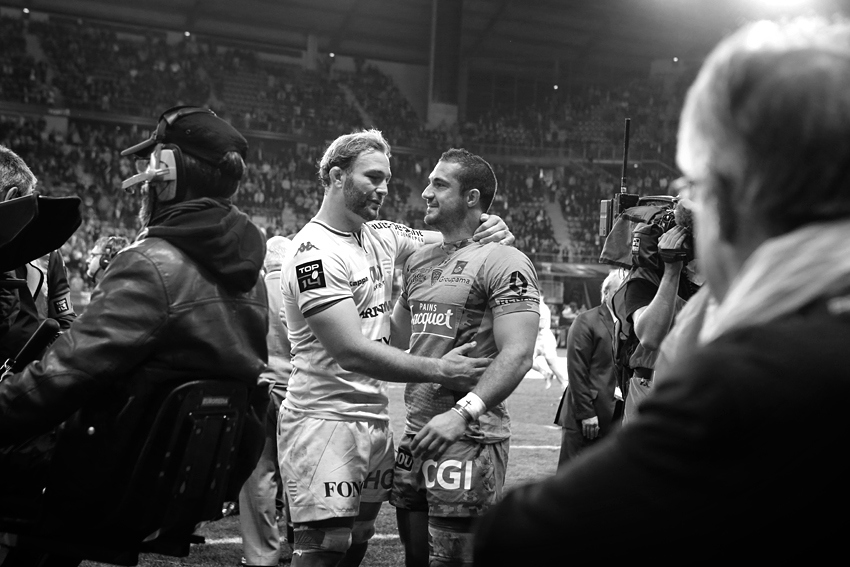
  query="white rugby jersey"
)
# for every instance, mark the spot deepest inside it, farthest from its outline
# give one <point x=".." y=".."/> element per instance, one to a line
<point x="324" y="266"/>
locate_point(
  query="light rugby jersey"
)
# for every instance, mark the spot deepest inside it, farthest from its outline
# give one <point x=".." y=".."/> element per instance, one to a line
<point x="324" y="266"/>
<point x="453" y="294"/>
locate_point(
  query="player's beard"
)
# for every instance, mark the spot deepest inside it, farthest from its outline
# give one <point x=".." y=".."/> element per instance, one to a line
<point x="358" y="202"/>
<point x="444" y="216"/>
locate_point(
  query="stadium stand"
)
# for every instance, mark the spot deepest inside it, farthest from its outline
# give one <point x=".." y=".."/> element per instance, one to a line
<point x="287" y="111"/>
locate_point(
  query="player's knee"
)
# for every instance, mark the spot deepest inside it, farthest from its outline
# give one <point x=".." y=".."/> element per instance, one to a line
<point x="451" y="541"/>
<point x="321" y="539"/>
<point x="363" y="531"/>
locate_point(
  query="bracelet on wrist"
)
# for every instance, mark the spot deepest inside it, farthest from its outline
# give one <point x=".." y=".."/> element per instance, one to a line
<point x="473" y="404"/>
<point x="467" y="417"/>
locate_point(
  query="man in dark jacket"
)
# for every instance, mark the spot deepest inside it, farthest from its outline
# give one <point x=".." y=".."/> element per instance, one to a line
<point x="587" y="407"/>
<point x="184" y="301"/>
<point x="47" y="292"/>
<point x="736" y="454"/>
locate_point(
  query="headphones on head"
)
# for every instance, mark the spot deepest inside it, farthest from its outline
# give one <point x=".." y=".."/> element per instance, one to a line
<point x="165" y="162"/>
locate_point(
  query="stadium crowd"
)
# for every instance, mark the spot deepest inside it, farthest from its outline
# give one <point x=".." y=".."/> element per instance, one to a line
<point x="689" y="347"/>
<point x="57" y="63"/>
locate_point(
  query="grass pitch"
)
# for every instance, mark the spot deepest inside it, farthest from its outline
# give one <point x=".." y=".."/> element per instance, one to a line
<point x="534" y="455"/>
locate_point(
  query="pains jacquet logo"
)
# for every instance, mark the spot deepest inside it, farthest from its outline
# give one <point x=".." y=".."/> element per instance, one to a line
<point x="311" y="275"/>
<point x="431" y="318"/>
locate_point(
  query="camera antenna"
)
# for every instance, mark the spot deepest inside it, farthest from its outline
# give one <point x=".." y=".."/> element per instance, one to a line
<point x="623" y="188"/>
<point x="609" y="209"/>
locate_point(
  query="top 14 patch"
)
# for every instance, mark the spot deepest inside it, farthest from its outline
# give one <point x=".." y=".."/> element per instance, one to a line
<point x="311" y="275"/>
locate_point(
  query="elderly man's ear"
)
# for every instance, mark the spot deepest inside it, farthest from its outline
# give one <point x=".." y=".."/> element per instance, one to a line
<point x="12" y="193"/>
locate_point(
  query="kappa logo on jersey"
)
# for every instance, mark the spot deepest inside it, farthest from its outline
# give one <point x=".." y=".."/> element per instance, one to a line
<point x="310" y="275"/>
<point x="306" y="247"/>
<point x="435" y="276"/>
<point x="434" y="319"/>
<point x="459" y="267"/>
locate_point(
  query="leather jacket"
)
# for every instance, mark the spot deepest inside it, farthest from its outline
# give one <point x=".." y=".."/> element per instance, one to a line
<point x="163" y="313"/>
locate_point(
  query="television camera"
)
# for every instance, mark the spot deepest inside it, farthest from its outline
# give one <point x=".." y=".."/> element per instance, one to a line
<point x="646" y="218"/>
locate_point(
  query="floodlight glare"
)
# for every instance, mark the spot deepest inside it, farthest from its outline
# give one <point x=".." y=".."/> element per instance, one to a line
<point x="781" y="5"/>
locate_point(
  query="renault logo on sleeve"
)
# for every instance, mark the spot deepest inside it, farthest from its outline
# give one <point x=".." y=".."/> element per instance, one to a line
<point x="310" y="275"/>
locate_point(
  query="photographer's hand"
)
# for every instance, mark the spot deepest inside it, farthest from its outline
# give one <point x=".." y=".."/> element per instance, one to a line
<point x="675" y="239"/>
<point x="652" y="323"/>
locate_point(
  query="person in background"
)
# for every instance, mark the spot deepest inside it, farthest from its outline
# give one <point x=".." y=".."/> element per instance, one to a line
<point x="587" y="411"/>
<point x="261" y="501"/>
<point x="565" y="319"/>
<point x="722" y="461"/>
<point x="545" y="360"/>
<point x="102" y="253"/>
<point x="47" y="293"/>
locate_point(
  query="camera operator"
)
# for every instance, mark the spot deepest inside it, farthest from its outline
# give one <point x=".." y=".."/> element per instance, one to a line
<point x="736" y="455"/>
<point x="650" y="303"/>
<point x="184" y="301"/>
<point x="47" y="293"/>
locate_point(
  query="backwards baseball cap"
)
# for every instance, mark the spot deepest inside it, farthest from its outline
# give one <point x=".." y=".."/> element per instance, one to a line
<point x="197" y="132"/>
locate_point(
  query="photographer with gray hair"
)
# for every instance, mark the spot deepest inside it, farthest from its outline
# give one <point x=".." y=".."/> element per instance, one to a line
<point x="735" y="455"/>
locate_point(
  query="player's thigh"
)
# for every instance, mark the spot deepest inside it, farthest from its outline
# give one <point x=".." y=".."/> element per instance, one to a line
<point x="465" y="481"/>
<point x="325" y="465"/>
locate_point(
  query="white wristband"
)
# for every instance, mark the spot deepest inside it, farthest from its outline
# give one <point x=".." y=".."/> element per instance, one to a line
<point x="473" y="404"/>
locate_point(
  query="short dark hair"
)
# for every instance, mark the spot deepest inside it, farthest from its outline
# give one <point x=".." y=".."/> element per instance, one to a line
<point x="475" y="173"/>
<point x="205" y="180"/>
<point x="14" y="172"/>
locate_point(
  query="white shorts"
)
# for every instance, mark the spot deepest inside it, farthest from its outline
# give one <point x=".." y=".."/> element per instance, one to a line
<point x="329" y="467"/>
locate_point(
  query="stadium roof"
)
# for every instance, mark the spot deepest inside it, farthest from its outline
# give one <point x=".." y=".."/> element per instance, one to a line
<point x="545" y="39"/>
